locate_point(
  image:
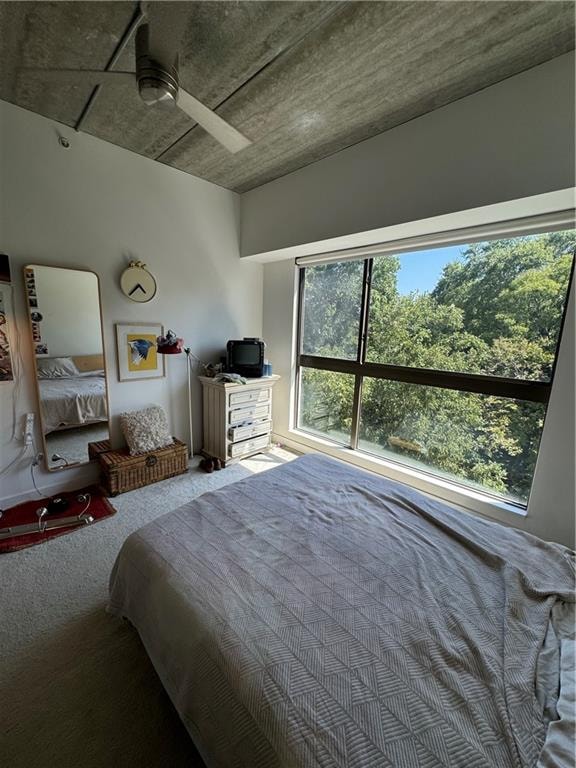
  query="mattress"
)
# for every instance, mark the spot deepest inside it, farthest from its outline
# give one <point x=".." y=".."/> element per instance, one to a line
<point x="71" y="401"/>
<point x="316" y="615"/>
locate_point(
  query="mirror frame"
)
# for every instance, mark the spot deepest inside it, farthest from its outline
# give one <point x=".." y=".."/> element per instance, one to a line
<point x="40" y="415"/>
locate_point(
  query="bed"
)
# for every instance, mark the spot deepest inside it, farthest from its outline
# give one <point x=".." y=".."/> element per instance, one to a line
<point x="317" y="615"/>
<point x="76" y="396"/>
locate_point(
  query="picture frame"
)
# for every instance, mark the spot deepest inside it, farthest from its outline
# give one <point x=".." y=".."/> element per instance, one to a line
<point x="136" y="351"/>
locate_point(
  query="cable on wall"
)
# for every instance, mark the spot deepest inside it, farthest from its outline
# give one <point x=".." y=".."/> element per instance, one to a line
<point x="15" y="460"/>
<point x="17" y="363"/>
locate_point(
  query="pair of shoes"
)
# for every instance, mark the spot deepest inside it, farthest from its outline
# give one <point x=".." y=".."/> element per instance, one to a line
<point x="210" y="464"/>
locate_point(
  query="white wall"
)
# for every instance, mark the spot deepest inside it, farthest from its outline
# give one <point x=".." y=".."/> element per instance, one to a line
<point x="512" y="140"/>
<point x="68" y="303"/>
<point x="94" y="206"/>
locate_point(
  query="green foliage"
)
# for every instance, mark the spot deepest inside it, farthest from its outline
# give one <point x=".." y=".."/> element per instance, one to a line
<point x="511" y="288"/>
<point x="495" y="312"/>
<point x="332" y="298"/>
<point x="326" y="403"/>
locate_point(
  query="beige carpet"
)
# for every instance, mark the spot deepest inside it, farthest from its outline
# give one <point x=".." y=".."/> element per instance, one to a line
<point x="76" y="687"/>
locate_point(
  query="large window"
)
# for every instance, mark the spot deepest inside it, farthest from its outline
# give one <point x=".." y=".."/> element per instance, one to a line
<point x="439" y="359"/>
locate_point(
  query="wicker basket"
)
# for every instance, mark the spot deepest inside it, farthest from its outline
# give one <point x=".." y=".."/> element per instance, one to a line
<point x="122" y="472"/>
<point x="95" y="449"/>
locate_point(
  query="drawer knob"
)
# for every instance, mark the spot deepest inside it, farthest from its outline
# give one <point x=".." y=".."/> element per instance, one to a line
<point x="151" y="461"/>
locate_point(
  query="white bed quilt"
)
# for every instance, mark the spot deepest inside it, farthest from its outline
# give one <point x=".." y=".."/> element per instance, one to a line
<point x="318" y="616"/>
<point x="71" y="401"/>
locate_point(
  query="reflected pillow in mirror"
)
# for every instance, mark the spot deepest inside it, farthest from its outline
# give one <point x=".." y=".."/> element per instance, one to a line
<point x="56" y="367"/>
<point x="145" y="430"/>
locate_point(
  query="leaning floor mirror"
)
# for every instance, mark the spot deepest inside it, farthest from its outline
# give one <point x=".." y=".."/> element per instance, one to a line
<point x="70" y="367"/>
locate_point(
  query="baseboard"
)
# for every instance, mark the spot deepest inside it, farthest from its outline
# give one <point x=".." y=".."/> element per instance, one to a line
<point x="87" y="475"/>
<point x="293" y="445"/>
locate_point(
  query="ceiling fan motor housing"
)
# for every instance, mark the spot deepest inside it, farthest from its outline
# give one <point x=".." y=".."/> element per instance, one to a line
<point x="157" y="83"/>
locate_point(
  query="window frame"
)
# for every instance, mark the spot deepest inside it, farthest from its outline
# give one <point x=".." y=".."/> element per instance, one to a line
<point x="499" y="386"/>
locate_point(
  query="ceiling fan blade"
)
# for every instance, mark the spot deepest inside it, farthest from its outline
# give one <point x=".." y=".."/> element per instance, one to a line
<point x="88" y="76"/>
<point x="222" y="131"/>
<point x="167" y="24"/>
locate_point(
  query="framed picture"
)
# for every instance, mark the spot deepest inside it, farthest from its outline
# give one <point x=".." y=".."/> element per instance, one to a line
<point x="137" y="355"/>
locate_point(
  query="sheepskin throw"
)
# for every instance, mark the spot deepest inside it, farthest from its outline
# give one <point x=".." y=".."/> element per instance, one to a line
<point x="145" y="430"/>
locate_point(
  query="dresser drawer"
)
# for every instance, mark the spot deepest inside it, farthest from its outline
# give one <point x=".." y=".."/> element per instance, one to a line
<point x="249" y="446"/>
<point x="250" y="413"/>
<point x="249" y="430"/>
<point x="237" y="418"/>
<point x="252" y="396"/>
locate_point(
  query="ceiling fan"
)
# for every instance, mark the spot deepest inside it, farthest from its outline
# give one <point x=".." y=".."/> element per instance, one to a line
<point x="159" y="29"/>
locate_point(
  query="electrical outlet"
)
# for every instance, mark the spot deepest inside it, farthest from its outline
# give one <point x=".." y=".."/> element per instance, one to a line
<point x="29" y="429"/>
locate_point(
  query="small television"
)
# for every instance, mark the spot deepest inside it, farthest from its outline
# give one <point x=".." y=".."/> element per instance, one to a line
<point x="245" y="357"/>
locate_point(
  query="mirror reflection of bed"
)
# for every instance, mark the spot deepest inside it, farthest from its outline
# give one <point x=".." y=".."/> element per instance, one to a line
<point x="66" y="328"/>
<point x="74" y="408"/>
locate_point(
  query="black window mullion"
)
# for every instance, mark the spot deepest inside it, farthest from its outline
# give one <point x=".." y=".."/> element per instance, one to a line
<point x="361" y="352"/>
<point x="299" y="324"/>
<point x="366" y="307"/>
<point x="354" y="429"/>
<point x="564" y="313"/>
<point x="300" y="318"/>
<point x="520" y="389"/>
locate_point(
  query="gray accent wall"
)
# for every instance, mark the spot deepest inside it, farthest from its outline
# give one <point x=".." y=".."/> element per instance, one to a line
<point x="512" y="140"/>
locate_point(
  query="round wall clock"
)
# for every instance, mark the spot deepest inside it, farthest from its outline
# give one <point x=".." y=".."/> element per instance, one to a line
<point x="137" y="283"/>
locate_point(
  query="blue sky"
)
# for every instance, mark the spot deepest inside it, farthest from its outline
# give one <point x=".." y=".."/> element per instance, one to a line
<point x="421" y="270"/>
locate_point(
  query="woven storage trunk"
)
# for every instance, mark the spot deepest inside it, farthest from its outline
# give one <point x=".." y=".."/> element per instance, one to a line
<point x="122" y="472"/>
<point x="95" y="449"/>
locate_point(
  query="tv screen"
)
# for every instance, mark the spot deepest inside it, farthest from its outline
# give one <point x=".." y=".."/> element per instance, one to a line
<point x="245" y="356"/>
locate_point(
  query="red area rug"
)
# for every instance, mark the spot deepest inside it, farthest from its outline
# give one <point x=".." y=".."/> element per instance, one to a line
<point x="24" y="513"/>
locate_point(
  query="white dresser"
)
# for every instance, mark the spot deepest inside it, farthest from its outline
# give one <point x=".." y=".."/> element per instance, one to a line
<point x="237" y="417"/>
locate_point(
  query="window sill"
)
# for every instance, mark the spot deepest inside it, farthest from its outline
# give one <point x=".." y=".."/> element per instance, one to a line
<point x="466" y="498"/>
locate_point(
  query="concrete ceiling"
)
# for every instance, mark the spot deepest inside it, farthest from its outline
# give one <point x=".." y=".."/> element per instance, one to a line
<point x="301" y="79"/>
